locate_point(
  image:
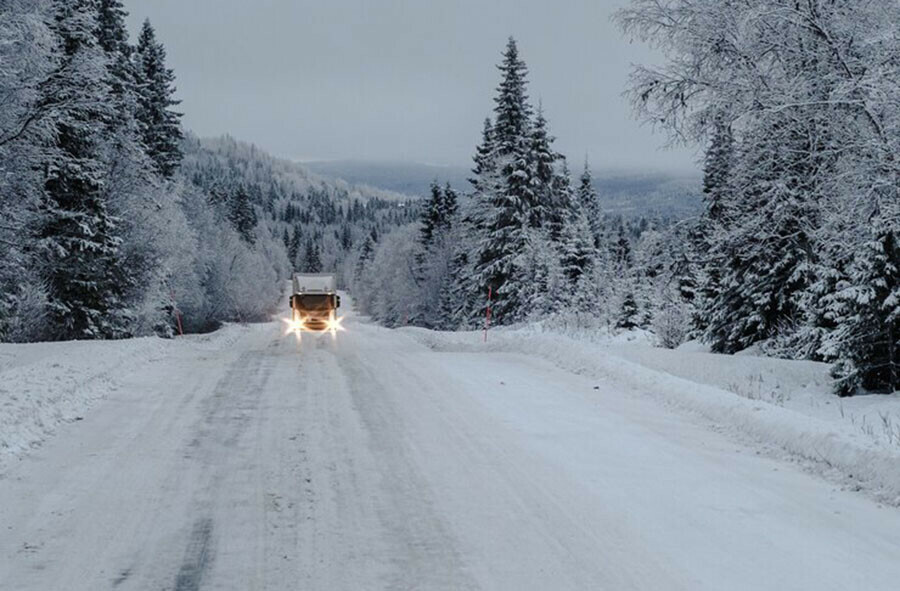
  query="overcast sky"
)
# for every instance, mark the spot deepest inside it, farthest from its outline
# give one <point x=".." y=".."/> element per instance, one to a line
<point x="408" y="80"/>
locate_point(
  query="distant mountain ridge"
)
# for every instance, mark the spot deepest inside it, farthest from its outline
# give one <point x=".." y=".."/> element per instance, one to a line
<point x="409" y="178"/>
<point x="629" y="194"/>
<point x="231" y="155"/>
<point x="653" y="194"/>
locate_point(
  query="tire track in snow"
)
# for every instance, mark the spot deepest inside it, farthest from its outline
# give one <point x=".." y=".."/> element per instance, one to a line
<point x="423" y="548"/>
<point x="198" y="558"/>
<point x="214" y="451"/>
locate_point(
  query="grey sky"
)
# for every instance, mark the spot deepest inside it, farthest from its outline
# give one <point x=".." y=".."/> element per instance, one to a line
<point x="401" y="79"/>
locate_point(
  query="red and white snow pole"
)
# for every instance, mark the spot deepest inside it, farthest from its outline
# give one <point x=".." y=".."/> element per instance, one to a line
<point x="487" y="313"/>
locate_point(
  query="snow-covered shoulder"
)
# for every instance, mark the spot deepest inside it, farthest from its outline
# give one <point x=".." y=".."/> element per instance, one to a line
<point x="782" y="407"/>
<point x="43" y="385"/>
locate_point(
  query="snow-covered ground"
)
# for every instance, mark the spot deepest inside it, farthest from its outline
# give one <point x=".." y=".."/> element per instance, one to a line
<point x="44" y="385"/>
<point x="782" y="407"/>
<point x="407" y="459"/>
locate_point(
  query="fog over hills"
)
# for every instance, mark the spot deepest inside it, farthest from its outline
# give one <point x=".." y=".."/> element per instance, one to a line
<point x="402" y="177"/>
<point x="626" y="193"/>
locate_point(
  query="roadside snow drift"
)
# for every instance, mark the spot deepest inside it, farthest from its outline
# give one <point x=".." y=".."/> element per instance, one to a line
<point x="45" y="384"/>
<point x="784" y="407"/>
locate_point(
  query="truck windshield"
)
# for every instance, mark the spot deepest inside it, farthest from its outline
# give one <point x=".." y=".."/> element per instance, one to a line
<point x="315" y="302"/>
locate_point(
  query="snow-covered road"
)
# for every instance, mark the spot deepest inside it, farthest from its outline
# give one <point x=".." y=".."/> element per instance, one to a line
<point x="373" y="462"/>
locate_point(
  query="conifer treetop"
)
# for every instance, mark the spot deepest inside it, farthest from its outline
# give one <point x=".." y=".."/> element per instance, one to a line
<point x="511" y="107"/>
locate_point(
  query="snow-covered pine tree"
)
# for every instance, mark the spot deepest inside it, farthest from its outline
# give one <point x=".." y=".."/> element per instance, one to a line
<point x="766" y="248"/>
<point x="485" y="159"/>
<point x="627" y="317"/>
<point x="346" y="237"/>
<point x="590" y="203"/>
<point x="460" y="297"/>
<point x="160" y="125"/>
<point x="576" y="245"/>
<point x="312" y="261"/>
<point x="111" y="32"/>
<point x="577" y="258"/>
<point x="504" y="211"/>
<point x="449" y="206"/>
<point x="866" y="342"/>
<point x="112" y="35"/>
<point x="485" y="181"/>
<point x="563" y="202"/>
<point x="242" y="215"/>
<point x="452" y="311"/>
<point x="366" y="251"/>
<point x="620" y="250"/>
<point x="512" y="111"/>
<point x="432" y="215"/>
<point x="548" y="210"/>
<point x="717" y="169"/>
<point x="77" y="236"/>
<point x="434" y="274"/>
<point x="717" y="176"/>
<point x="544" y="284"/>
<point x="295" y="246"/>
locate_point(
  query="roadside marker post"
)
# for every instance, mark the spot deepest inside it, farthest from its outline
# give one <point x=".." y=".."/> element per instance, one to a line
<point x="177" y="314"/>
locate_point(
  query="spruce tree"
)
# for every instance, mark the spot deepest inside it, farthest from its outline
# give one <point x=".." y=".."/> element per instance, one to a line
<point x="77" y="235"/>
<point x="449" y="206"/>
<point x="294" y="247"/>
<point x="366" y="254"/>
<point x="717" y="169"/>
<point x="432" y="214"/>
<point x="242" y="215"/>
<point x="485" y="183"/>
<point x="485" y="159"/>
<point x="505" y="197"/>
<point x="312" y="262"/>
<point x="160" y="125"/>
<point x="346" y="237"/>
<point x="315" y="260"/>
<point x="627" y="318"/>
<point x="112" y="36"/>
<point x="577" y="247"/>
<point x="763" y="254"/>
<point x="717" y="178"/>
<point x="620" y="250"/>
<point x="590" y="203"/>
<point x="547" y="210"/>
<point x="511" y="108"/>
<point x="866" y="342"/>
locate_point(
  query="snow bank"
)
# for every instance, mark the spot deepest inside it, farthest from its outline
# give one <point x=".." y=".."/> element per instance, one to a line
<point x="782" y="406"/>
<point x="45" y="384"/>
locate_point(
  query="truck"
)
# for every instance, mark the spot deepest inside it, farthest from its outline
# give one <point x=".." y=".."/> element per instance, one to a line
<point x="314" y="302"/>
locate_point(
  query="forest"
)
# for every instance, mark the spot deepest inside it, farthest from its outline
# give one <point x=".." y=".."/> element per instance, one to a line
<point x="797" y="107"/>
<point x="114" y="222"/>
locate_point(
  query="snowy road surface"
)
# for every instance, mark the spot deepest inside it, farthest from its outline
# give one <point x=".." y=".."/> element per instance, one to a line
<point x="373" y="462"/>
